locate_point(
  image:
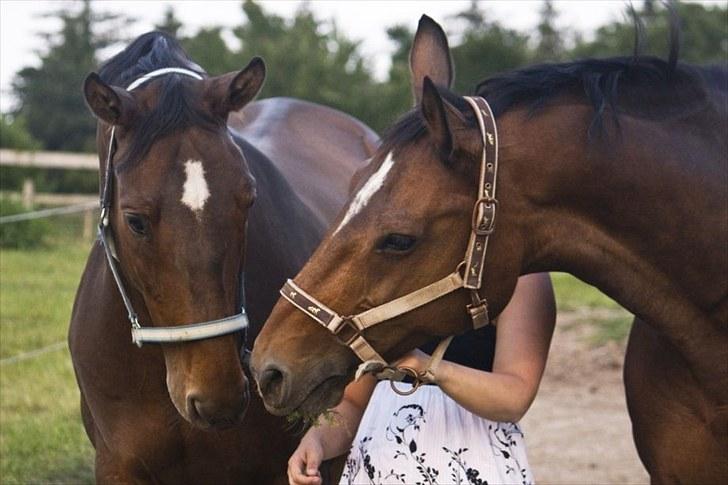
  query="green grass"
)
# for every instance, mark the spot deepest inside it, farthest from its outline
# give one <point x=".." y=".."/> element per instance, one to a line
<point x="573" y="294"/>
<point x="41" y="435"/>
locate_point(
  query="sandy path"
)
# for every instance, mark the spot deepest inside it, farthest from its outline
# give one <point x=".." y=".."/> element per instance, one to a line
<point x="578" y="430"/>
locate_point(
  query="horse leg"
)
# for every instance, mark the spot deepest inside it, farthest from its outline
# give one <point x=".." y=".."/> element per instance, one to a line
<point x="671" y="414"/>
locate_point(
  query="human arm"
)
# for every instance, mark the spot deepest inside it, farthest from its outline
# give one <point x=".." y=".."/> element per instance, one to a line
<point x="524" y="332"/>
<point x="328" y="440"/>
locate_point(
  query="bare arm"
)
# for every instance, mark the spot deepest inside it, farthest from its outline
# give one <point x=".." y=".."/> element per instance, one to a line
<point x="523" y="337"/>
<point x="329" y="440"/>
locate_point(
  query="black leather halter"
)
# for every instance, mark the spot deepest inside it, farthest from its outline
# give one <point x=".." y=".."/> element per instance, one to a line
<point x="167" y="334"/>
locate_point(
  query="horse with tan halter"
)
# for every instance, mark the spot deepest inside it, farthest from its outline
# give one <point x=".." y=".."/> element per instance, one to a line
<point x="613" y="170"/>
<point x="159" y="317"/>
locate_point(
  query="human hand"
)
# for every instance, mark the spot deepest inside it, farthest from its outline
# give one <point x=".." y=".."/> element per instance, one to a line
<point x="303" y="466"/>
<point x="416" y="359"/>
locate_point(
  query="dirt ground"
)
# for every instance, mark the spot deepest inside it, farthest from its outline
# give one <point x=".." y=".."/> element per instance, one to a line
<point x="578" y="431"/>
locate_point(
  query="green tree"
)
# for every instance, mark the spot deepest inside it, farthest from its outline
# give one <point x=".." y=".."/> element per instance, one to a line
<point x="485" y="48"/>
<point x="396" y="91"/>
<point x="170" y="23"/>
<point x="550" y="42"/>
<point x="14" y="134"/>
<point x="208" y="49"/>
<point x="50" y="98"/>
<point x="312" y="60"/>
<point x="704" y="34"/>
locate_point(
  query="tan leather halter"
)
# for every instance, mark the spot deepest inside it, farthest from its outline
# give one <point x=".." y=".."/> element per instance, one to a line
<point x="468" y="275"/>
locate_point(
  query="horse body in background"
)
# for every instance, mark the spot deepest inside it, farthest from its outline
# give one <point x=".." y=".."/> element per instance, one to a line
<point x="613" y="170"/>
<point x="184" y="187"/>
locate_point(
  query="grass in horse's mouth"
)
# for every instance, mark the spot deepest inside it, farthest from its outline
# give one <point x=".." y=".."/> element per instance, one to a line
<point x="328" y="417"/>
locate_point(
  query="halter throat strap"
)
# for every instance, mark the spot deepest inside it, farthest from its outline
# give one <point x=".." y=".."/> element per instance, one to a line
<point x="468" y="275"/>
<point x="161" y="334"/>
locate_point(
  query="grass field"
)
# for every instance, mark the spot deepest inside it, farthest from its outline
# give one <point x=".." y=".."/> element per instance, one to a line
<point x="41" y="436"/>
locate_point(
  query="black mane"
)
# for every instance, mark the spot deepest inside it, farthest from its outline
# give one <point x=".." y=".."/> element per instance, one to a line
<point x="642" y="86"/>
<point x="176" y="108"/>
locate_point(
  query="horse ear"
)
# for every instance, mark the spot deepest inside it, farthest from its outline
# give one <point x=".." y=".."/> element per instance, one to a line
<point x="232" y="91"/>
<point x="433" y="111"/>
<point x="109" y="103"/>
<point x="430" y="57"/>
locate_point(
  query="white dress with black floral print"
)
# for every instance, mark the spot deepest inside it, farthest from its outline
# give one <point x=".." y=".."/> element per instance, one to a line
<point x="427" y="438"/>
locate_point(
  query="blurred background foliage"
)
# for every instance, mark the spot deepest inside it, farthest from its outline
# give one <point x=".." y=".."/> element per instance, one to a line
<point x="310" y="58"/>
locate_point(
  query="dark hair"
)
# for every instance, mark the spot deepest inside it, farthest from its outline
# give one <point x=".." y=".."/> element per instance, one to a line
<point x="176" y="108"/>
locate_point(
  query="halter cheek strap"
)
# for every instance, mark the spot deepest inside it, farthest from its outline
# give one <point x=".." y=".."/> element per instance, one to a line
<point x="179" y="333"/>
<point x="468" y="275"/>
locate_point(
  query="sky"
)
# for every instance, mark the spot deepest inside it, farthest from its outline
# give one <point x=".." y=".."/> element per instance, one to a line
<point x="21" y="21"/>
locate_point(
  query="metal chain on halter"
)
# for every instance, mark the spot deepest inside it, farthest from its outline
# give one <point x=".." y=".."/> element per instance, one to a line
<point x="468" y="275"/>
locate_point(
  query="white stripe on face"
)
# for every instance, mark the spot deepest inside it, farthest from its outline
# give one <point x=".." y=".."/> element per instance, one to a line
<point x="195" y="188"/>
<point x="365" y="194"/>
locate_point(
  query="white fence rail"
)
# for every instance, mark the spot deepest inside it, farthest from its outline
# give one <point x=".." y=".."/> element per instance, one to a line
<point x="67" y="160"/>
<point x="29" y="197"/>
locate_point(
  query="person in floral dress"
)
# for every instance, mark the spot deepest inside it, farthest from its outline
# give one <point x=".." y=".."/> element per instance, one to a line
<point x="461" y="430"/>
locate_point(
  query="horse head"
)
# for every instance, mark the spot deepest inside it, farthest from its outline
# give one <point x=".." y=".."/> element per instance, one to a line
<point x="407" y="226"/>
<point x="177" y="193"/>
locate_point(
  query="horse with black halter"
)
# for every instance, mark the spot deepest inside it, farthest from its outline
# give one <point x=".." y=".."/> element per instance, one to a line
<point x="159" y="317"/>
<point x="613" y="170"/>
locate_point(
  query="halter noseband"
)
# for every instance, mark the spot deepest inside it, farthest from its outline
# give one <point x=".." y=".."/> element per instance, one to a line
<point x="468" y="275"/>
<point x="181" y="333"/>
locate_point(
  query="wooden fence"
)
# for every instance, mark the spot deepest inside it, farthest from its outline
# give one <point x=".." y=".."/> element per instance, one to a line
<point x="55" y="160"/>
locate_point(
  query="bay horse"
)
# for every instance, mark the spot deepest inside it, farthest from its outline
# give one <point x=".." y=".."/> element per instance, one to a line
<point x="185" y="179"/>
<point x="613" y="170"/>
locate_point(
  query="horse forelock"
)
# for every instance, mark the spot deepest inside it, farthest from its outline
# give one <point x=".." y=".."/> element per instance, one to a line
<point x="148" y="52"/>
<point x="177" y="107"/>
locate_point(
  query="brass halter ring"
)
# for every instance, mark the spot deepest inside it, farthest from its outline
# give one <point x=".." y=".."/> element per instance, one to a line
<point x="416" y="377"/>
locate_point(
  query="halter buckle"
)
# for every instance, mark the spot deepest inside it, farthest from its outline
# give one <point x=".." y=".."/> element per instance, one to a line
<point x="348" y="324"/>
<point x="483" y="223"/>
<point x="478" y="310"/>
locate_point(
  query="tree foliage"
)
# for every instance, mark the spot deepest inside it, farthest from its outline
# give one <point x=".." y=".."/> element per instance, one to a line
<point x="49" y="96"/>
<point x="550" y="41"/>
<point x="703" y="39"/>
<point x="14" y="134"/>
<point x="312" y="59"/>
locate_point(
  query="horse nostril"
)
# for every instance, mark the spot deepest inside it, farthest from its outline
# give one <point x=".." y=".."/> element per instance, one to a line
<point x="271" y="384"/>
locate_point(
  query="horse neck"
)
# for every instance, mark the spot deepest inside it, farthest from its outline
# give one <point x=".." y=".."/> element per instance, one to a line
<point x="282" y="233"/>
<point x="642" y="217"/>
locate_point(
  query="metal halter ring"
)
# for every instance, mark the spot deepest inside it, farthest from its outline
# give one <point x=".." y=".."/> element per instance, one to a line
<point x="416" y="377"/>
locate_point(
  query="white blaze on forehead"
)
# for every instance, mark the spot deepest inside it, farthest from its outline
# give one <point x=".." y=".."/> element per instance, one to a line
<point x="195" y="188"/>
<point x="365" y="194"/>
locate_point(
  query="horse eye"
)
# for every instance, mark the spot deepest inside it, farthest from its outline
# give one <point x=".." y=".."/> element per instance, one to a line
<point x="138" y="224"/>
<point x="397" y="243"/>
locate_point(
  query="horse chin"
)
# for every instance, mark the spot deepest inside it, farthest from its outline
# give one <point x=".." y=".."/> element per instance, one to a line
<point x="325" y="395"/>
<point x="191" y="412"/>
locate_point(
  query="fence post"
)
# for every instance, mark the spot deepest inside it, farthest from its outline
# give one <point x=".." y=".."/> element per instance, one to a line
<point x="28" y="194"/>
